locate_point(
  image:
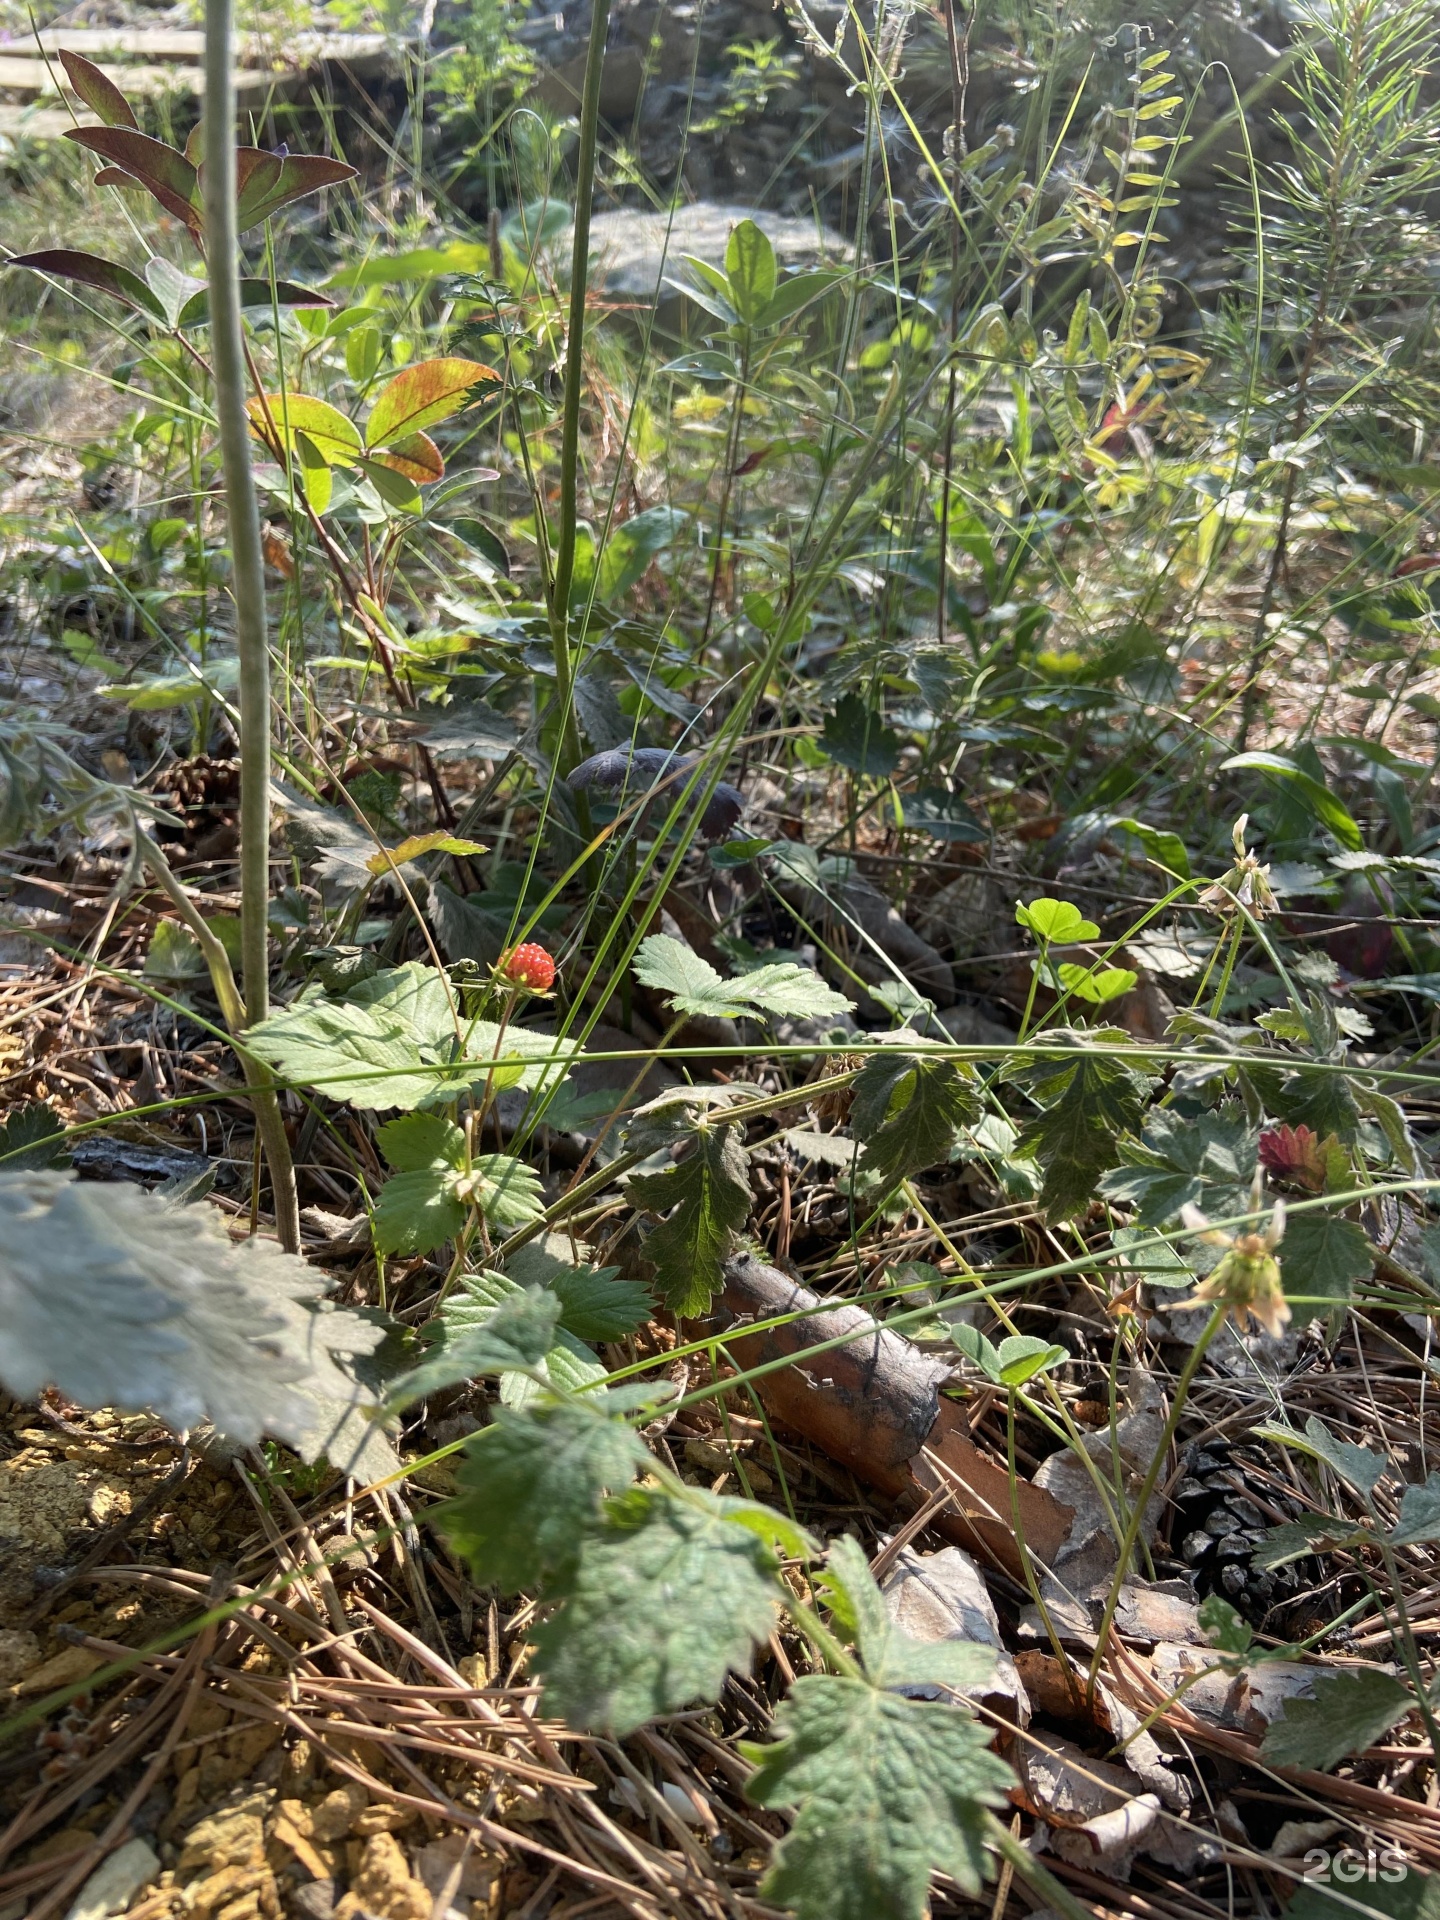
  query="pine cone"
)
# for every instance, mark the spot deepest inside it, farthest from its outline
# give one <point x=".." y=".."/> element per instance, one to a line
<point x="1229" y="1499"/>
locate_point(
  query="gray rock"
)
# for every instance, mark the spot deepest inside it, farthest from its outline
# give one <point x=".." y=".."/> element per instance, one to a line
<point x="636" y="252"/>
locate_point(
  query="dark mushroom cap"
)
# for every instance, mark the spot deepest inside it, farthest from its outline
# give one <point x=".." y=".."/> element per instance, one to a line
<point x="640" y="769"/>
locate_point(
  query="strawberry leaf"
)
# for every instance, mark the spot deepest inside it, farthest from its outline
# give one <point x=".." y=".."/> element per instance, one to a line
<point x="706" y="1197"/>
<point x="514" y="1336"/>
<point x="1087" y="1104"/>
<point x="1321" y="1259"/>
<point x="692" y="985"/>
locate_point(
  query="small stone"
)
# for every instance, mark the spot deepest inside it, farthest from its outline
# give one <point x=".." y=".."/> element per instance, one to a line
<point x="62" y="1670"/>
<point x="232" y="1836"/>
<point x="316" y="1899"/>
<point x="19" y="1653"/>
<point x="385" y="1886"/>
<point x="116" y="1881"/>
<point x="337" y="1813"/>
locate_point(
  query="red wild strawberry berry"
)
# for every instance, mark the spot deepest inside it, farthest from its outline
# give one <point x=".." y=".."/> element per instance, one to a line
<point x="528" y="966"/>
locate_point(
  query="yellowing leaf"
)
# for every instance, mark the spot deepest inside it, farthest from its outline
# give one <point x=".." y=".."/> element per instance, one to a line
<point x="418" y="843"/>
<point x="421" y="395"/>
<point x="335" y="438"/>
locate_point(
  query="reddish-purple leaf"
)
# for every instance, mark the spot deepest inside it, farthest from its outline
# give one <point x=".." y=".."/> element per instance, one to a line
<point x="421" y="395"/>
<point x="416" y="456"/>
<point x="1295" y="1156"/>
<point x="98" y="91"/>
<point x="164" y="172"/>
<point x="265" y="182"/>
<point x="91" y="271"/>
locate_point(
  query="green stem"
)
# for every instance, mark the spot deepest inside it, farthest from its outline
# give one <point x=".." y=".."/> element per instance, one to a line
<point x="1152" y="1476"/>
<point x="227" y="347"/>
<point x="574" y="382"/>
<point x="269" y="1123"/>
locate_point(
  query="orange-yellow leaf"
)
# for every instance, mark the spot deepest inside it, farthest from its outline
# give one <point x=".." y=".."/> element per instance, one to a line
<point x="421" y="395"/>
<point x="416" y="456"/>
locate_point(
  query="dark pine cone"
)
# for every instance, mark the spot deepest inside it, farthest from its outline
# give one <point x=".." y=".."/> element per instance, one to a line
<point x="206" y="791"/>
<point x="1229" y="1499"/>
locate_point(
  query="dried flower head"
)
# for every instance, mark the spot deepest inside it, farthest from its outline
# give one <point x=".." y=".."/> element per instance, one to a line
<point x="1246" y="885"/>
<point x="1247" y="1278"/>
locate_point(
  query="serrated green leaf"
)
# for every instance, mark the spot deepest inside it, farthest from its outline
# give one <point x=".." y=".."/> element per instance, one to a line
<point x="667" y="1597"/>
<point x="1419" y="1520"/>
<point x="506" y="1191"/>
<point x="530" y="1489"/>
<point x="1361" y="1466"/>
<point x="596" y="1304"/>
<point x="1205" y="1160"/>
<point x="421" y="1140"/>
<point x="1397" y="1893"/>
<point x="856" y="738"/>
<point x="706" y="1198"/>
<point x="693" y="986"/>
<point x="888" y="1790"/>
<point x="513" y="1337"/>
<point x="417" y="1211"/>
<point x="1086" y="1107"/>
<point x="32" y="1139"/>
<point x="908" y="1109"/>
<point x="398" y="1040"/>
<point x="1322" y="1257"/>
<point x="1223" y="1626"/>
<point x="891" y="1658"/>
<point x="1348" y="1713"/>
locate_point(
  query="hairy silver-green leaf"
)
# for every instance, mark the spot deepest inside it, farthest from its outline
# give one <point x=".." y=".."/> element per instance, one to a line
<point x="120" y="1300"/>
<point x="779" y="988"/>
